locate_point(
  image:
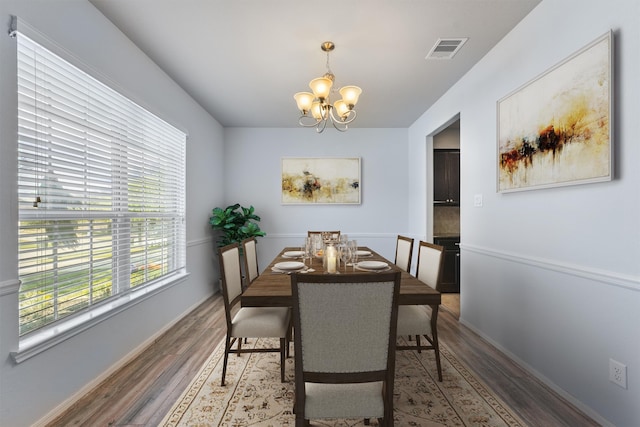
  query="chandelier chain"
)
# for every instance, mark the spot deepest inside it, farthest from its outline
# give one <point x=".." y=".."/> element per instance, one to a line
<point x="328" y="66"/>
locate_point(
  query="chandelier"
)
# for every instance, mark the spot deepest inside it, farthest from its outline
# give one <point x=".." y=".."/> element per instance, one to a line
<point x="316" y="107"/>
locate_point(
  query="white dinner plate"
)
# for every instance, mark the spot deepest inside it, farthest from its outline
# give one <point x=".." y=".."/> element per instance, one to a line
<point x="293" y="254"/>
<point x="289" y="266"/>
<point x="363" y="253"/>
<point x="372" y="265"/>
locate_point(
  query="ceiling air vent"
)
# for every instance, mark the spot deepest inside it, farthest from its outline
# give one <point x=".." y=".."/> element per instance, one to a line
<point x="446" y="48"/>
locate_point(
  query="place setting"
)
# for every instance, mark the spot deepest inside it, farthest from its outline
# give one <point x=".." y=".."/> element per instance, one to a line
<point x="288" y="267"/>
<point x="372" y="266"/>
<point x="293" y="254"/>
<point x="363" y="254"/>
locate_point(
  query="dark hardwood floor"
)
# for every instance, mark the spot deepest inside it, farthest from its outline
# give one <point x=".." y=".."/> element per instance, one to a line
<point x="143" y="391"/>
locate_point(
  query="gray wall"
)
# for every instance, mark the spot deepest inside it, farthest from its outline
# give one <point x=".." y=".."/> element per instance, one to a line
<point x="253" y="160"/>
<point x="550" y="276"/>
<point x="30" y="390"/>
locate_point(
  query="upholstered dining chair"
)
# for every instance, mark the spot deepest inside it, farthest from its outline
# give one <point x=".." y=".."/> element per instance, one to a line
<point x="344" y="345"/>
<point x="418" y="320"/>
<point x="251" y="271"/>
<point x="249" y="322"/>
<point x="404" y="250"/>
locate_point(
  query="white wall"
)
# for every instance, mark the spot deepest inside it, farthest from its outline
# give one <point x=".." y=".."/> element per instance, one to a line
<point x="253" y="161"/>
<point x="551" y="276"/>
<point x="34" y="388"/>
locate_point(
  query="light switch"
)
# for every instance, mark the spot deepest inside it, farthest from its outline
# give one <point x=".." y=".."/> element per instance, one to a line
<point x="477" y="200"/>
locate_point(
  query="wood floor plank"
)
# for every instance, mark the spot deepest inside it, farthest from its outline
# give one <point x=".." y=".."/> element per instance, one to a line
<point x="144" y="390"/>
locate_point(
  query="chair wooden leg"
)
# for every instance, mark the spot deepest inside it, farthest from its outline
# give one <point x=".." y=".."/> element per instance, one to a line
<point x="239" y="346"/>
<point x="367" y="421"/>
<point x="434" y="339"/>
<point x="284" y="345"/>
<point x="227" y="347"/>
<point x="436" y="349"/>
<point x="418" y="344"/>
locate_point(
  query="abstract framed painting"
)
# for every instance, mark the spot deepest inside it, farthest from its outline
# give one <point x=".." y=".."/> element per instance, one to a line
<point x="557" y="129"/>
<point x="321" y="180"/>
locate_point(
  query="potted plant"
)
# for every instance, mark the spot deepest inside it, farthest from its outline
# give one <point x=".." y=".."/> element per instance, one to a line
<point x="236" y="223"/>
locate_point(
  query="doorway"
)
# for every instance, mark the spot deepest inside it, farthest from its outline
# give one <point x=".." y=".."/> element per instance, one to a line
<point x="445" y="219"/>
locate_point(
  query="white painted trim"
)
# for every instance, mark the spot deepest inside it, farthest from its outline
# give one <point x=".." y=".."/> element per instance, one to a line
<point x="603" y="276"/>
<point x="32" y="345"/>
<point x="201" y="241"/>
<point x="9" y="287"/>
<point x="575" y="402"/>
<point x="64" y="406"/>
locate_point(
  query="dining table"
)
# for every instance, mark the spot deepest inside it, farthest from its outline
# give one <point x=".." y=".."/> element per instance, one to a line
<point x="273" y="288"/>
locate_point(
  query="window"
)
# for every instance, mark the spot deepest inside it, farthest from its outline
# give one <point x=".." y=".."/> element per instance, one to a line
<point x="101" y="186"/>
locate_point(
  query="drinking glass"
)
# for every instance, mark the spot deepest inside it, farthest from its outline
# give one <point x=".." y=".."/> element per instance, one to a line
<point x="345" y="255"/>
<point x="317" y="244"/>
<point x="353" y="250"/>
<point x="307" y="250"/>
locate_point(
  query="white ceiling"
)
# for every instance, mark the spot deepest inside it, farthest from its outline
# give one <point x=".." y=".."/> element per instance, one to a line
<point x="243" y="60"/>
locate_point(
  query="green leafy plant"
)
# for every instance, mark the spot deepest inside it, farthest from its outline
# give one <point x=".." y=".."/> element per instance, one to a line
<point x="236" y="223"/>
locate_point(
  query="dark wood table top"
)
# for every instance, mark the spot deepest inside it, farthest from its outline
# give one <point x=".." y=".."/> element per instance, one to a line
<point x="271" y="289"/>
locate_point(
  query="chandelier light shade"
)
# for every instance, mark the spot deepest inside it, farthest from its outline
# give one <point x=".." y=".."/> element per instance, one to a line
<point x="316" y="107"/>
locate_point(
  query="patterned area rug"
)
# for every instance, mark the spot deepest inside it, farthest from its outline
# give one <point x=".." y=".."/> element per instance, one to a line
<point x="254" y="395"/>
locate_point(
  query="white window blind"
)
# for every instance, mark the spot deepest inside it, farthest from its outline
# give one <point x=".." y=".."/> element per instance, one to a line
<point x="101" y="189"/>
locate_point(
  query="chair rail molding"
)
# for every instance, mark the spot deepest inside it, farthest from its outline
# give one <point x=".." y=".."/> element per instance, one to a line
<point x="200" y="241"/>
<point x="603" y="276"/>
<point x="9" y="287"/>
<point x="351" y="234"/>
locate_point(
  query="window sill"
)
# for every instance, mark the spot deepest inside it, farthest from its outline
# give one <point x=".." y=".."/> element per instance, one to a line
<point x="45" y="339"/>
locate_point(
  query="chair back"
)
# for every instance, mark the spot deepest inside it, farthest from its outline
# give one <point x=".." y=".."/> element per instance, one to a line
<point x="326" y="235"/>
<point x="404" y="250"/>
<point x="229" y="257"/>
<point x="345" y="324"/>
<point x="251" y="270"/>
<point x="430" y="264"/>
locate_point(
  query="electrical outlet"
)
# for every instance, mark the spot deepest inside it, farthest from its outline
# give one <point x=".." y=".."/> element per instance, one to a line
<point x="618" y="373"/>
<point x="477" y="200"/>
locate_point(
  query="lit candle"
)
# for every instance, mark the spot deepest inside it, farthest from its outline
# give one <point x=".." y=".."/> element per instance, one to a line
<point x="332" y="259"/>
<point x="331" y="264"/>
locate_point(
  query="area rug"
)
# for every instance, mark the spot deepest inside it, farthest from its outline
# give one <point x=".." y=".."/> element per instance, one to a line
<point x="254" y="396"/>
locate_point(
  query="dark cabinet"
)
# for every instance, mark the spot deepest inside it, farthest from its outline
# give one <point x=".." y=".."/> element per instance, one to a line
<point x="450" y="281"/>
<point x="446" y="176"/>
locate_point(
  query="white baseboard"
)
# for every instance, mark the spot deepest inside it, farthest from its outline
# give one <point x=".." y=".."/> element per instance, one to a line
<point x="571" y="399"/>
